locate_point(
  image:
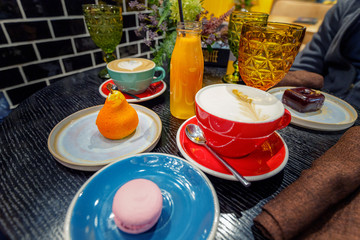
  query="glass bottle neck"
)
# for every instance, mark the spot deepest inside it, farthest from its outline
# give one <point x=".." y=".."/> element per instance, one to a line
<point x="189" y="28"/>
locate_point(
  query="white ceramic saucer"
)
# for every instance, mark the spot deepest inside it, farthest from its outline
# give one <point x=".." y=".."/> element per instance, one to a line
<point x="335" y="114"/>
<point x="77" y="143"/>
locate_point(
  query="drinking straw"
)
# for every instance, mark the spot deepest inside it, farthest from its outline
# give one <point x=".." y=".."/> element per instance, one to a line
<point x="181" y="11"/>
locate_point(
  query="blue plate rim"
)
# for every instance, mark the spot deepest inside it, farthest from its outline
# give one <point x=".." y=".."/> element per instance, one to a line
<point x="215" y="224"/>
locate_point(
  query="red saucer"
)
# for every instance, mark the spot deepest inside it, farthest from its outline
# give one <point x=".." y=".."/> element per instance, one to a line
<point x="154" y="90"/>
<point x="266" y="161"/>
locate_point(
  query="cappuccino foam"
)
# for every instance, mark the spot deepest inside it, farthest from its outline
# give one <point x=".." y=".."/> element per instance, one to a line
<point x="220" y="100"/>
<point x="131" y="65"/>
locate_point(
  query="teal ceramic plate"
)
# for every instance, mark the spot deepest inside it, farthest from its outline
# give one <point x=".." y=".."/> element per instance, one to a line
<point x="190" y="205"/>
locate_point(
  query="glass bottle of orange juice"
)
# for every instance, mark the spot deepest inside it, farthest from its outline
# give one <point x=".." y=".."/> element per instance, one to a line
<point x="186" y="70"/>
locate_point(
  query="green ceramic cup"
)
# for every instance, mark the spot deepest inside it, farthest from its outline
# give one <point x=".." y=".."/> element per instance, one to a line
<point x="134" y="75"/>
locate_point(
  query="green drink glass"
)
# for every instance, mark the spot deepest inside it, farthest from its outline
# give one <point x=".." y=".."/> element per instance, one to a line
<point x="105" y="25"/>
<point x="237" y="19"/>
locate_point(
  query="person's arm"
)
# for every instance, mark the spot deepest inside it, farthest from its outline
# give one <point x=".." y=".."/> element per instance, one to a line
<point x="302" y="79"/>
<point x="311" y="59"/>
<point x="308" y="68"/>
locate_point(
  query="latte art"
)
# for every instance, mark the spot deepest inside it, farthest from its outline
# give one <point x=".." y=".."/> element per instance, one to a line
<point x="239" y="103"/>
<point x="131" y="65"/>
<point x="248" y="107"/>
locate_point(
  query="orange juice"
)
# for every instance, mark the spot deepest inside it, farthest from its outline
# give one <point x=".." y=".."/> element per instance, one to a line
<point x="217" y="7"/>
<point x="186" y="71"/>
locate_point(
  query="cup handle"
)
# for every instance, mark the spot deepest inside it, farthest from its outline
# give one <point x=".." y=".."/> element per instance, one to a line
<point x="285" y="120"/>
<point x="162" y="75"/>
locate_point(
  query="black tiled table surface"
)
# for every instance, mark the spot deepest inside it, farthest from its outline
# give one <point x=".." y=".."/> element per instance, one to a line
<point x="35" y="190"/>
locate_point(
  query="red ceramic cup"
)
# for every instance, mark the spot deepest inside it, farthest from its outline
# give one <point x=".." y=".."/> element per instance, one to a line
<point x="233" y="127"/>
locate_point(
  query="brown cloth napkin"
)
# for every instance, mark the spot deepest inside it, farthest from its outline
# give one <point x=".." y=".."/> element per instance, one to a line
<point x="324" y="203"/>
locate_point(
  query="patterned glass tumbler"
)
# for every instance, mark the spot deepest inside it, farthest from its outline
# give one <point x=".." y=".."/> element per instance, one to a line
<point x="266" y="53"/>
<point x="105" y="25"/>
<point x="237" y="18"/>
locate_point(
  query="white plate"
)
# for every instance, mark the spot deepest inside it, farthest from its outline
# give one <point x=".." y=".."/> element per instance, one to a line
<point x="77" y="143"/>
<point x="335" y="114"/>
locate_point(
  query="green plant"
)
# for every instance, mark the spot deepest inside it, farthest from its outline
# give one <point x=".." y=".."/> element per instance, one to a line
<point x="160" y="18"/>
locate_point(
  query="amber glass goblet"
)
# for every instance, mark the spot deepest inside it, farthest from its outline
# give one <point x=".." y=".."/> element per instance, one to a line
<point x="105" y="25"/>
<point x="237" y="18"/>
<point x="266" y="53"/>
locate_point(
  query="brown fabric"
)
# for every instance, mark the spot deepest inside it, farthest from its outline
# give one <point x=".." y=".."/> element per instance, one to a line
<point x="302" y="79"/>
<point x="324" y="203"/>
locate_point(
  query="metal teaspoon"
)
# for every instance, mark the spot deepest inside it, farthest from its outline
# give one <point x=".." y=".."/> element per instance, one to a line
<point x="111" y="87"/>
<point x="194" y="133"/>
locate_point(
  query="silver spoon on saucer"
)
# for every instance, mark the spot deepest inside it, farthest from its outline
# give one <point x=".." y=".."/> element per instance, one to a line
<point x="194" y="133"/>
<point x="111" y="87"/>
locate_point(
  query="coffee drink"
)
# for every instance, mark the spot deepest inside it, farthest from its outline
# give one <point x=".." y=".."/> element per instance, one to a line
<point x="134" y="75"/>
<point x="236" y="119"/>
<point x="130" y="65"/>
<point x="239" y="103"/>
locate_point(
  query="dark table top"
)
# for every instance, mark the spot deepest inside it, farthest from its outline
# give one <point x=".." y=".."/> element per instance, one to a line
<point x="36" y="190"/>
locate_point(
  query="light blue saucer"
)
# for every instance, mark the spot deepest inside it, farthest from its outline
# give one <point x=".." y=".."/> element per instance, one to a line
<point x="190" y="204"/>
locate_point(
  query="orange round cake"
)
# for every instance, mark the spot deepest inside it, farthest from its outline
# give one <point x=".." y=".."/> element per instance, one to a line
<point x="117" y="118"/>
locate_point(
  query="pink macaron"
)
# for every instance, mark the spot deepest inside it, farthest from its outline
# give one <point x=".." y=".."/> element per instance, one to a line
<point x="137" y="206"/>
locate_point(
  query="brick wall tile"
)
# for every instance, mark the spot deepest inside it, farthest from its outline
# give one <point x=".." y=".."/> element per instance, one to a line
<point x="124" y="38"/>
<point x="133" y="37"/>
<point x="146" y="48"/>
<point x="113" y="2"/>
<point x="9" y="9"/>
<point x="72" y="52"/>
<point x="129" y="50"/>
<point x="2" y="37"/>
<point x="55" y="48"/>
<point x="78" y="62"/>
<point x="84" y="44"/>
<point x="129" y="21"/>
<point x="10" y="77"/>
<point x="68" y="27"/>
<point x="42" y="8"/>
<point x="28" y="31"/>
<point x="74" y="7"/>
<point x="98" y="56"/>
<point x="16" y="55"/>
<point x="42" y="70"/>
